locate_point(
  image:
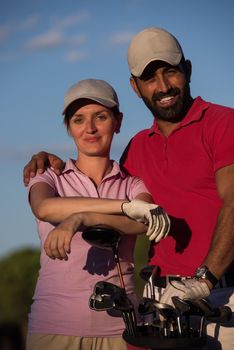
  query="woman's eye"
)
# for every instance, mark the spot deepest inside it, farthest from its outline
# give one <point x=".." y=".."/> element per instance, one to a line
<point x="78" y="120"/>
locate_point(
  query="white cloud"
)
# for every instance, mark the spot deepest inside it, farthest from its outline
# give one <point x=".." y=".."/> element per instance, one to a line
<point x="121" y="38"/>
<point x="47" y="40"/>
<point x="76" y="40"/>
<point x="52" y="39"/>
<point x="11" y="28"/>
<point x="75" y="56"/>
<point x="28" y="23"/>
<point x="57" y="35"/>
<point x="71" y="21"/>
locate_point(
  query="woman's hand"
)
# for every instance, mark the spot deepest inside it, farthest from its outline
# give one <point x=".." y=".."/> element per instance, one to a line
<point x="58" y="241"/>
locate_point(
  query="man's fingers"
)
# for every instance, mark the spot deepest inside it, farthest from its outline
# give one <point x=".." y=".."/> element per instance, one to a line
<point x="35" y="164"/>
<point x="188" y="289"/>
<point x="31" y="168"/>
<point x="56" y="163"/>
<point x="28" y="172"/>
<point x="39" y="162"/>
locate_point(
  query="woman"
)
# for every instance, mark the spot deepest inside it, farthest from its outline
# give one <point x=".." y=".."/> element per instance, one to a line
<point x="94" y="189"/>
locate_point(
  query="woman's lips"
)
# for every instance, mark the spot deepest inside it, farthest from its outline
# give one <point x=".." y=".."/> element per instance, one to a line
<point x="91" y="139"/>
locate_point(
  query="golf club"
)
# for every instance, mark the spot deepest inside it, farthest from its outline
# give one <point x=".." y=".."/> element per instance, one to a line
<point x="105" y="238"/>
<point x="145" y="274"/>
<point x="183" y="310"/>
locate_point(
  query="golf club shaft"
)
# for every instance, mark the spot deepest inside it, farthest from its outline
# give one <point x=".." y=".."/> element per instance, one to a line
<point x="119" y="271"/>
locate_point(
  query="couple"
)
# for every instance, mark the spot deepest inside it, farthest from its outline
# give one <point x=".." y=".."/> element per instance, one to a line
<point x="186" y="160"/>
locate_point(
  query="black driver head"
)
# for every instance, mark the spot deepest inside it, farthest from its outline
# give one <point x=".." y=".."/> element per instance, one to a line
<point x="102" y="237"/>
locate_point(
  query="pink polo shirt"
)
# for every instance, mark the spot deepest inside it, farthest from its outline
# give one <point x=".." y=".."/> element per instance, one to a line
<point x="180" y="171"/>
<point x="60" y="302"/>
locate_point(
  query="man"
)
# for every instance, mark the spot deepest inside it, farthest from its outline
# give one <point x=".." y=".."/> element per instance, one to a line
<point x="186" y="160"/>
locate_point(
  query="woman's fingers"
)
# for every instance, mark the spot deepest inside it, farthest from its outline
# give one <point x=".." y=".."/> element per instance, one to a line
<point x="58" y="244"/>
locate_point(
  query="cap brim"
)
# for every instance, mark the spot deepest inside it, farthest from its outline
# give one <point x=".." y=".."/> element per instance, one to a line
<point x="108" y="104"/>
<point x="173" y="61"/>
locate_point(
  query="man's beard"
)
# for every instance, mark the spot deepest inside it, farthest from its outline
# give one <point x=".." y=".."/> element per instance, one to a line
<point x="175" y="113"/>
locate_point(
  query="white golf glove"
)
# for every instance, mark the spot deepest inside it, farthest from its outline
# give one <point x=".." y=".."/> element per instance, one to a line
<point x="149" y="214"/>
<point x="187" y="289"/>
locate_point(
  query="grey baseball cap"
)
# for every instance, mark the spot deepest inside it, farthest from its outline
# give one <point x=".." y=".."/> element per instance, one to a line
<point x="97" y="90"/>
<point x="150" y="45"/>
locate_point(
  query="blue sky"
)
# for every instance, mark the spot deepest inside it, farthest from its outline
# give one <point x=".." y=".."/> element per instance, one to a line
<point x="46" y="46"/>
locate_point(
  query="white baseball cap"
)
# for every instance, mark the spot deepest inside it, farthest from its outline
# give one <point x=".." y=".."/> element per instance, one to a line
<point x="97" y="90"/>
<point x="150" y="45"/>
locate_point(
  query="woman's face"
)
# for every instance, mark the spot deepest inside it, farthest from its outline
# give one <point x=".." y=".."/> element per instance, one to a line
<point x="92" y="127"/>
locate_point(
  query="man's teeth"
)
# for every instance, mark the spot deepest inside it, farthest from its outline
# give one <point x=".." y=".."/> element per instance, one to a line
<point x="165" y="99"/>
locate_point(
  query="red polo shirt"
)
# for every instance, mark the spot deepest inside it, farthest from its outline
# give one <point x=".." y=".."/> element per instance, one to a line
<point x="179" y="171"/>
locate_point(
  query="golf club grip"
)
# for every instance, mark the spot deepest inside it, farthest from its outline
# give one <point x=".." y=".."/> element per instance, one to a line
<point x="220" y="315"/>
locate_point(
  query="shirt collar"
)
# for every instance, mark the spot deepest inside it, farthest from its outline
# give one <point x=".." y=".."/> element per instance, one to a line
<point x="70" y="166"/>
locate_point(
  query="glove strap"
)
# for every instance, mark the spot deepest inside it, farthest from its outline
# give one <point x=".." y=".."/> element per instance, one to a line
<point x="122" y="209"/>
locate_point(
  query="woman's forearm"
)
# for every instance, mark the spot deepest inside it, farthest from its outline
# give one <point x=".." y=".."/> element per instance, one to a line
<point x="58" y="241"/>
<point x="47" y="207"/>
<point x="57" y="209"/>
<point x="121" y="223"/>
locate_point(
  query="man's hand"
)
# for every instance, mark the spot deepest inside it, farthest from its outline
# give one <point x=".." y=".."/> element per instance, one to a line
<point x="188" y="289"/>
<point x="39" y="162"/>
<point x="58" y="242"/>
<point x="150" y="214"/>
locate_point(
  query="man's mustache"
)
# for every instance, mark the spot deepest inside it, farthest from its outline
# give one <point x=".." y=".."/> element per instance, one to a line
<point x="159" y="95"/>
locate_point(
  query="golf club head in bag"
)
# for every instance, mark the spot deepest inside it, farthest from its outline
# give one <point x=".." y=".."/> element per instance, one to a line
<point x="146" y="275"/>
<point x="187" y="308"/>
<point x="148" y="311"/>
<point x="107" y="296"/>
<point x="146" y="272"/>
<point x="146" y="306"/>
<point x="168" y="332"/>
<point x="212" y="314"/>
<point x="175" y="331"/>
